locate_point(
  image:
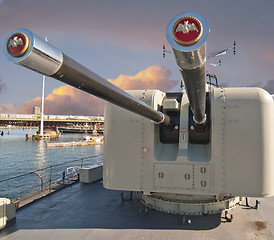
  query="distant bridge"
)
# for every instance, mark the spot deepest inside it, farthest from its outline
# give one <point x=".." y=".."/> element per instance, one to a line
<point x="52" y="121"/>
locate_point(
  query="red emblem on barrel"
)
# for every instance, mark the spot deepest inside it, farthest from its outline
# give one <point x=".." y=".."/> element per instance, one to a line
<point x="17" y="44"/>
<point x="187" y="31"/>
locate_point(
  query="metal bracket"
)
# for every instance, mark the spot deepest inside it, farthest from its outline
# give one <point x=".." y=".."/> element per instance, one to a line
<point x="252" y="207"/>
<point x="228" y="219"/>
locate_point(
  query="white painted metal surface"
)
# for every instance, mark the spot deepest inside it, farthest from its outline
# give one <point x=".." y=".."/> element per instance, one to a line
<point x="7" y="211"/>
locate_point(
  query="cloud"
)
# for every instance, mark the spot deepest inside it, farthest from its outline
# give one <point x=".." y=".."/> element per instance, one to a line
<point x="2" y="86"/>
<point x="124" y="22"/>
<point x="68" y="100"/>
<point x="8" y="108"/>
<point x="121" y="25"/>
<point x="154" y="77"/>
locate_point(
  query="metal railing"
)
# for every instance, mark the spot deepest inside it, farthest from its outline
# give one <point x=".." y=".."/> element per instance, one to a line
<point x="44" y="180"/>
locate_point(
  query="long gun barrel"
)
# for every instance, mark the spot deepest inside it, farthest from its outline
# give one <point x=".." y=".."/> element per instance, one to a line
<point x="27" y="49"/>
<point x="187" y="34"/>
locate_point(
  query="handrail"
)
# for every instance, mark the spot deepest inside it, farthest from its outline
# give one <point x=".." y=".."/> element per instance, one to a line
<point x="41" y="169"/>
<point x="48" y="177"/>
<point x="42" y="182"/>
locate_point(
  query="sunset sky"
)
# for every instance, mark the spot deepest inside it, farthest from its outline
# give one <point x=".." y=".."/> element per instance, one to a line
<point x="122" y="42"/>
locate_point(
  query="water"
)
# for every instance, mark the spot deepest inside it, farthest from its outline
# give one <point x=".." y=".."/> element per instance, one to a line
<point x="19" y="156"/>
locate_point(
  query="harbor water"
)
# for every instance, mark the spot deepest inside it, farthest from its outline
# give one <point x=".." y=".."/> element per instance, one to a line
<point x="19" y="156"/>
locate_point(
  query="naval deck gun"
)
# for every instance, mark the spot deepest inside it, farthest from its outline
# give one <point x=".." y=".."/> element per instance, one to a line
<point x="185" y="153"/>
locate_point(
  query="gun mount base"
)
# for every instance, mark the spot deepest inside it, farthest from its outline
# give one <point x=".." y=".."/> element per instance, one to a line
<point x="179" y="204"/>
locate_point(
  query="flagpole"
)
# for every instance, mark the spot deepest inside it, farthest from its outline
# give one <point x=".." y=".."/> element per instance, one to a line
<point x="43" y="103"/>
<point x="42" y="108"/>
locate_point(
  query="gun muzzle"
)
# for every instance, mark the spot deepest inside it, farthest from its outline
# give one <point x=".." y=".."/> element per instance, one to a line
<point x="26" y="49"/>
<point x="187" y="34"/>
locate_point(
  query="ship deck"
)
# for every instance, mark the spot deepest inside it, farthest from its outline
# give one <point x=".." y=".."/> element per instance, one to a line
<point x="88" y="211"/>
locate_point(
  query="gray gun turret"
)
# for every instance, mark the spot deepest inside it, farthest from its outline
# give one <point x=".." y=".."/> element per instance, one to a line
<point x="187" y="153"/>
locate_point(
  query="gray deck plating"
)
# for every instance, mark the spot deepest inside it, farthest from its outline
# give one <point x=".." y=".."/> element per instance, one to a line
<point x="88" y="211"/>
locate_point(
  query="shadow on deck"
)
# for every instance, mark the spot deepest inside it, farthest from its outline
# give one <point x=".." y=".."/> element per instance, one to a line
<point x="90" y="206"/>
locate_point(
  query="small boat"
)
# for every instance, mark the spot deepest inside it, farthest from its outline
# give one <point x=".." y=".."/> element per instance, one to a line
<point x="87" y="137"/>
<point x="76" y="129"/>
<point x="94" y="138"/>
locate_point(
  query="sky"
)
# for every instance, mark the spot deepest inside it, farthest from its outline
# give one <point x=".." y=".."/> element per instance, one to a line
<point x="122" y="42"/>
